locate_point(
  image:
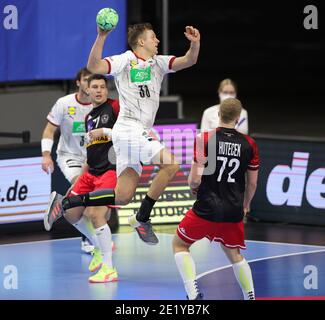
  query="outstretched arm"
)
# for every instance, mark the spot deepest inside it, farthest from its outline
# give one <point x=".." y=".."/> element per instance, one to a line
<point x="190" y="58"/>
<point x="95" y="62"/>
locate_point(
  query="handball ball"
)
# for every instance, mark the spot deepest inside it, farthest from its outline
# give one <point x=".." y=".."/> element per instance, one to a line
<point x="107" y="19"/>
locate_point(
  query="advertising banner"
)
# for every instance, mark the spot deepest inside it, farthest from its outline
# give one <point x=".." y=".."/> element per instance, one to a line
<point x="24" y="190"/>
<point x="291" y="186"/>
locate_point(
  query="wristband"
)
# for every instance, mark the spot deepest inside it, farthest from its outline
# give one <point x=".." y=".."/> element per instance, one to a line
<point x="46" y="145"/>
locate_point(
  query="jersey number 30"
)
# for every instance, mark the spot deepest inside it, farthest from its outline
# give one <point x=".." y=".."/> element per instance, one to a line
<point x="233" y="163"/>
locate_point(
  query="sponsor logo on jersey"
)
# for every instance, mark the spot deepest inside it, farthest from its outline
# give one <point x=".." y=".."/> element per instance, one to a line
<point x="140" y="75"/>
<point x="104" y="118"/>
<point x="133" y="63"/>
<point x="104" y="139"/>
<point x="71" y="111"/>
<point x="140" y="72"/>
<point x="78" y="128"/>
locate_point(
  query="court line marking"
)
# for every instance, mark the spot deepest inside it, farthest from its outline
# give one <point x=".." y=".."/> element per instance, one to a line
<point x="287" y="244"/>
<point x="259" y="259"/>
<point x="37" y="241"/>
<point x="272" y="242"/>
<point x="206" y="272"/>
<point x="62" y="239"/>
<point x="159" y="233"/>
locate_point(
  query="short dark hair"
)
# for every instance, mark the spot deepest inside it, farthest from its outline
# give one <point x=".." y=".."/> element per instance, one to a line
<point x="97" y="76"/>
<point x="136" y="30"/>
<point x="82" y="72"/>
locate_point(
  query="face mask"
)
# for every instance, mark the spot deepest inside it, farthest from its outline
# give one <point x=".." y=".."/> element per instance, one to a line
<point x="224" y="96"/>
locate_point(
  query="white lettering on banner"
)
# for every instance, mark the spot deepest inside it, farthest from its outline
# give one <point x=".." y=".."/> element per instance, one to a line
<point x="315" y="188"/>
<point x="296" y="178"/>
<point x="11" y="20"/>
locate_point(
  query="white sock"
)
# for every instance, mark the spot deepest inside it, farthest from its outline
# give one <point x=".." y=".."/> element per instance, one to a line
<point x="244" y="278"/>
<point x="104" y="237"/>
<point x="186" y="268"/>
<point x="85" y="226"/>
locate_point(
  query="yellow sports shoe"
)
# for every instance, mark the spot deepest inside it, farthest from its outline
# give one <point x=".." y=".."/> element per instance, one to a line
<point x="97" y="260"/>
<point x="105" y="274"/>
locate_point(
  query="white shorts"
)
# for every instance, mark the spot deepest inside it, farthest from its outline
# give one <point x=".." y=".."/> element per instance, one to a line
<point x="70" y="165"/>
<point x="134" y="147"/>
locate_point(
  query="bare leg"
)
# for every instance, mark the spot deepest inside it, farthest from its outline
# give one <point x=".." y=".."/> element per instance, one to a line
<point x="97" y="216"/>
<point x="141" y="220"/>
<point x="84" y="224"/>
<point x="127" y="183"/>
<point x="168" y="168"/>
<point x="76" y="216"/>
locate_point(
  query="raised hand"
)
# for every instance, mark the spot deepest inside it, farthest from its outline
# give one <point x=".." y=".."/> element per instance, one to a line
<point x="192" y="34"/>
<point x="102" y="32"/>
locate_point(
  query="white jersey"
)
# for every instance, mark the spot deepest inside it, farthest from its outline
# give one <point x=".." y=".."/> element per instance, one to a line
<point x="69" y="114"/>
<point x="210" y="119"/>
<point x="138" y="83"/>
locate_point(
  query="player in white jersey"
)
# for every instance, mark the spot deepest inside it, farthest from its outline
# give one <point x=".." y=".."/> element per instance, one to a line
<point x="68" y="113"/>
<point x="138" y="77"/>
<point x="210" y="119"/>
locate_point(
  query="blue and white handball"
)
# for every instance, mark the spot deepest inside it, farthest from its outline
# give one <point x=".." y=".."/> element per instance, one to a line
<point x="107" y="19"/>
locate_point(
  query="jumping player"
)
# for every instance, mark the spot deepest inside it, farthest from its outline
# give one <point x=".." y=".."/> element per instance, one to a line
<point x="223" y="159"/>
<point x="138" y="76"/>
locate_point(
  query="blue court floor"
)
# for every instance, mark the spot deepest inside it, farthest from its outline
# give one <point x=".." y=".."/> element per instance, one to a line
<point x="56" y="269"/>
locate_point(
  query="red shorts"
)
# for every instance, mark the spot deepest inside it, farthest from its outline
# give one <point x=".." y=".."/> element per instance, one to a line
<point x="193" y="228"/>
<point x="88" y="182"/>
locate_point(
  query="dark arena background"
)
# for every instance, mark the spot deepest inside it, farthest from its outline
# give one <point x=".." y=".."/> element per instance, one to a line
<point x="273" y="50"/>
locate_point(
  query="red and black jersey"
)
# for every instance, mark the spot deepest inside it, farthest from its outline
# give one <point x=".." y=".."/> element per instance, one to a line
<point x="100" y="152"/>
<point x="226" y="155"/>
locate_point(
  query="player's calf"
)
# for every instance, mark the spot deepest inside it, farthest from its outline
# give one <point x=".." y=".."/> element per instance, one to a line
<point x="186" y="267"/>
<point x="242" y="272"/>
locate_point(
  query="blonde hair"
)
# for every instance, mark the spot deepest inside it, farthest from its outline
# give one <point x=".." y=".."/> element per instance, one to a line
<point x="225" y="82"/>
<point x="135" y="31"/>
<point x="230" y="110"/>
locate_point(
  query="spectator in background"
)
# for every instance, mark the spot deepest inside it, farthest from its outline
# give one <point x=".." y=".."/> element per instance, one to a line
<point x="210" y="118"/>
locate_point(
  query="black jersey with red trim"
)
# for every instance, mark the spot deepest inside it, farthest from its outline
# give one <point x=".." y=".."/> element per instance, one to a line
<point x="226" y="155"/>
<point x="101" y="151"/>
